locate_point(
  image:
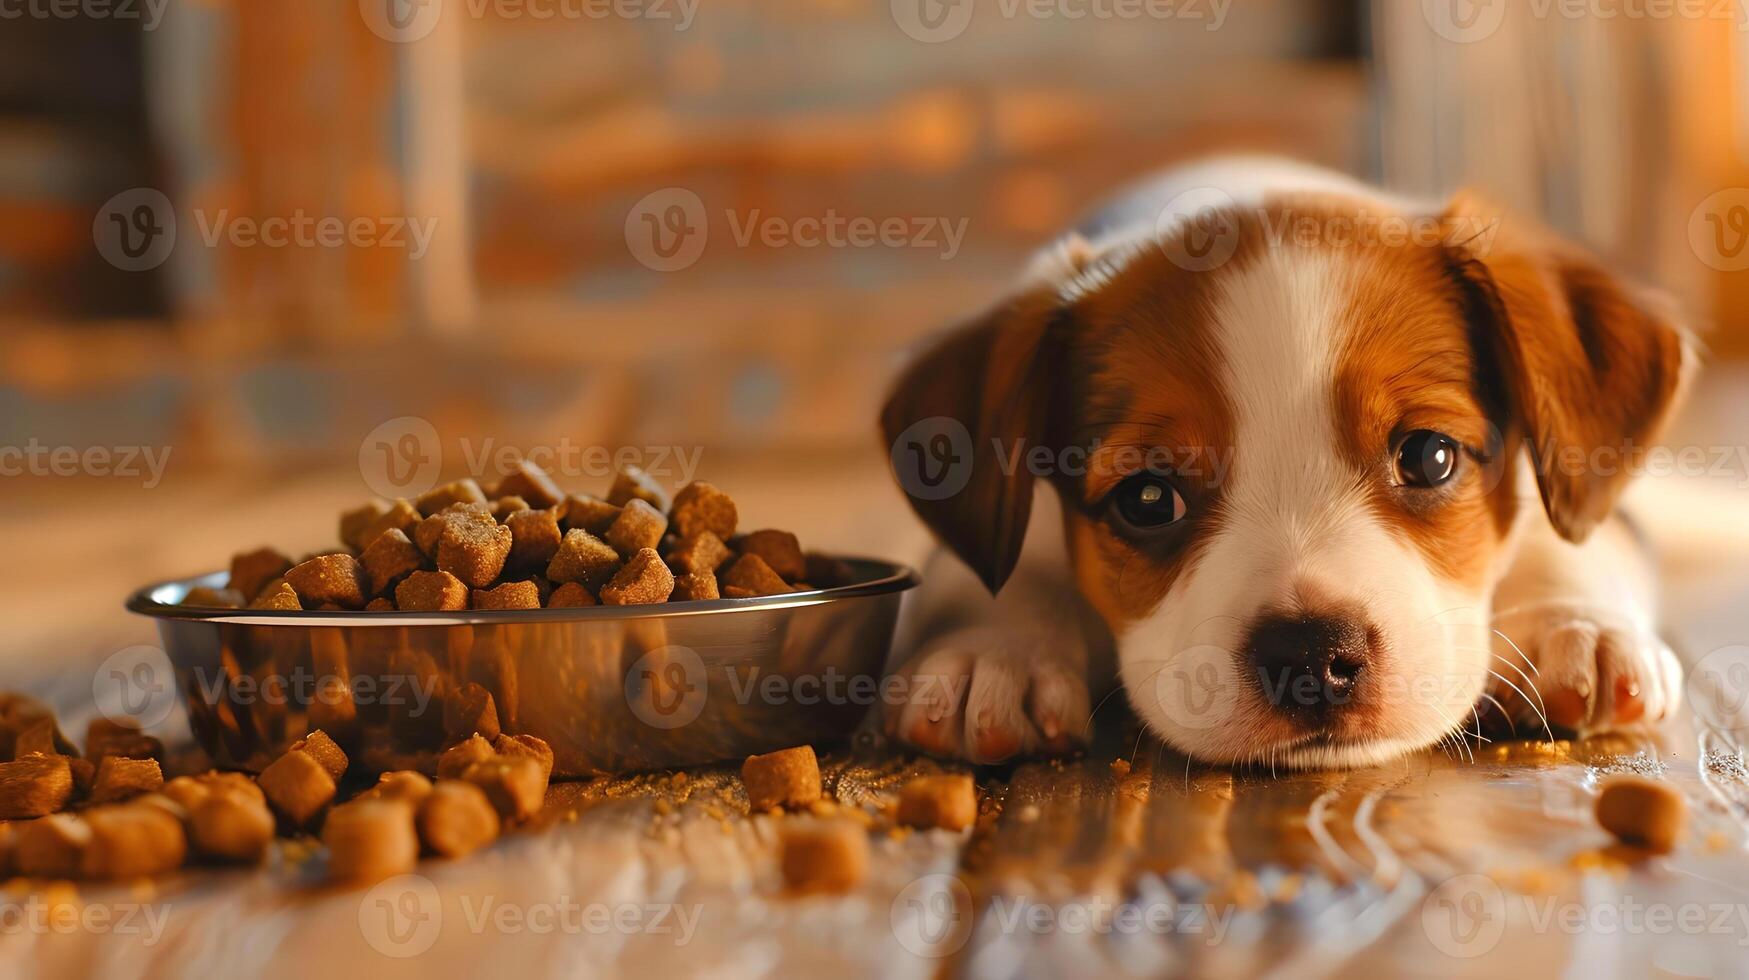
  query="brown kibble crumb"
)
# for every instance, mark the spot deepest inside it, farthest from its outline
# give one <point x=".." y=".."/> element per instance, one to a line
<point x="391" y="556"/>
<point x="695" y="585"/>
<point x="474" y="552"/>
<point x="369" y="840"/>
<point x="203" y="597"/>
<point x="278" y="597"/>
<point x="252" y="570"/>
<point x="1120" y="767"/>
<point x="132" y="840"/>
<point x="339" y="579"/>
<point x="751" y="574"/>
<point x="514" y="784"/>
<point x="456" y="759"/>
<point x="638" y="526"/>
<point x="119" y="778"/>
<point x="470" y="710"/>
<point x="700" y="507"/>
<point x="457" y="819"/>
<point x="529" y="746"/>
<point x="230" y="826"/>
<point x="1643" y="812"/>
<point x="52" y="847"/>
<point x="779" y="550"/>
<point x="788" y="777"/>
<point x="531" y="483"/>
<point x="632" y="483"/>
<point x="590" y="514"/>
<point x="324" y="750"/>
<point x="703" y="552"/>
<point x="297" y="786"/>
<point x="431" y="592"/>
<point x="824" y="857"/>
<point x="509" y="595"/>
<point x="643" y="580"/>
<point x="534" y="540"/>
<point x="34" y="786"/>
<point x="356" y="524"/>
<point x="583" y="557"/>
<point x="464" y="491"/>
<point x="571" y="595"/>
<point x="948" y="801"/>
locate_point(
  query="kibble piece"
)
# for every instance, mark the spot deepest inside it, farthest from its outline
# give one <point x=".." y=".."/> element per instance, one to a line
<point x="643" y="580"/>
<point x="252" y="570"/>
<point x="503" y="507"/>
<point x="828" y="572"/>
<point x="508" y="595"/>
<point x="133" y="840"/>
<point x="356" y="525"/>
<point x="104" y="737"/>
<point x="751" y="574"/>
<point x="701" y="507"/>
<point x="474" y="553"/>
<point x="639" y="526"/>
<point x="470" y="711"/>
<point x="779" y="549"/>
<point x="948" y="801"/>
<point x="571" y="595"/>
<point x="41" y="737"/>
<point x="514" y="784"/>
<point x="531" y="483"/>
<point x="590" y="514"/>
<point x="529" y="746"/>
<point x="430" y="530"/>
<point x="456" y="759"/>
<point x="464" y="491"/>
<point x="369" y="840"/>
<point x="187" y="791"/>
<point x="457" y="819"/>
<point x="324" y="750"/>
<point x="1643" y="812"/>
<point x="702" y="552"/>
<point x="431" y="592"/>
<point x="339" y="579"/>
<point x="297" y="787"/>
<point x="390" y="557"/>
<point x="788" y="777"/>
<point x="53" y="846"/>
<point x="230" y="826"/>
<point x="34" y="786"/>
<point x="208" y="598"/>
<point x="631" y="484"/>
<point x="8" y="848"/>
<point x="826" y="857"/>
<point x="405" y="785"/>
<point x="380" y="604"/>
<point x="583" y="557"/>
<point x="535" y="538"/>
<point x="119" y="778"/>
<point x="401" y="516"/>
<point x="695" y="585"/>
<point x="232" y="782"/>
<point x="281" y="597"/>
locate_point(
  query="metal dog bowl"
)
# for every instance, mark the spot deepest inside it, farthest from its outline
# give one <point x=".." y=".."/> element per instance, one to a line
<point x="609" y="688"/>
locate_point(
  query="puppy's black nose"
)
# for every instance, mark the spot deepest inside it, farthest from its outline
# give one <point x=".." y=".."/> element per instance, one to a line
<point x="1308" y="666"/>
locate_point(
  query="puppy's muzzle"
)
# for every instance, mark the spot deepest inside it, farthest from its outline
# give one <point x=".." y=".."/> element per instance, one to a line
<point x="1310" y="668"/>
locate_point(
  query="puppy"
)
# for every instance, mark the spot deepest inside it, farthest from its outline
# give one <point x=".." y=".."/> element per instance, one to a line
<point x="1334" y="476"/>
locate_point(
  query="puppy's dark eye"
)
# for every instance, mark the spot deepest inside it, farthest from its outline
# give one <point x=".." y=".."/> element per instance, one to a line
<point x="1146" y="502"/>
<point x="1426" y="459"/>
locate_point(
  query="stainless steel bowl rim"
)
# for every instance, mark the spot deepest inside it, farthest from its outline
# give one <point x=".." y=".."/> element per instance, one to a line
<point x="150" y="601"/>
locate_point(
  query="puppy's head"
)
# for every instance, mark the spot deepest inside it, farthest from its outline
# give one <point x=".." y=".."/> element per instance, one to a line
<point x="1289" y="480"/>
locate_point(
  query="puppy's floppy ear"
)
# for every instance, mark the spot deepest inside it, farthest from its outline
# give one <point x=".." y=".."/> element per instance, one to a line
<point x="960" y="420"/>
<point x="1585" y="361"/>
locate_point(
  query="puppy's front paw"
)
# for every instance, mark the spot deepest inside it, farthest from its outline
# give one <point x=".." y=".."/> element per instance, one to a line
<point x="1588" y="670"/>
<point x="988" y="694"/>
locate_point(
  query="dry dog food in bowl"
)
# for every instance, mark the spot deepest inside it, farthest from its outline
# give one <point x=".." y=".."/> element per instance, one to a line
<point x="634" y="630"/>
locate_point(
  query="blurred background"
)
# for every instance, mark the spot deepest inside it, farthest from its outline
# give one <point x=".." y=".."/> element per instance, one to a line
<point x="260" y="242"/>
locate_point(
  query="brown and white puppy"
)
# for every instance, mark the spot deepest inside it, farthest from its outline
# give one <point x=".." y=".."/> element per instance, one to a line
<point x="1298" y="430"/>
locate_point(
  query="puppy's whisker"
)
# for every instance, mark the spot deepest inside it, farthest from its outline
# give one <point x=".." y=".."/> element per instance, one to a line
<point x="1511" y="726"/>
<point x="1527" y="680"/>
<point x="1516" y="649"/>
<point x="1539" y="711"/>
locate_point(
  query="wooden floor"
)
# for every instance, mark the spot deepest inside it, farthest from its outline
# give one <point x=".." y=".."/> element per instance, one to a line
<point x="1128" y="861"/>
